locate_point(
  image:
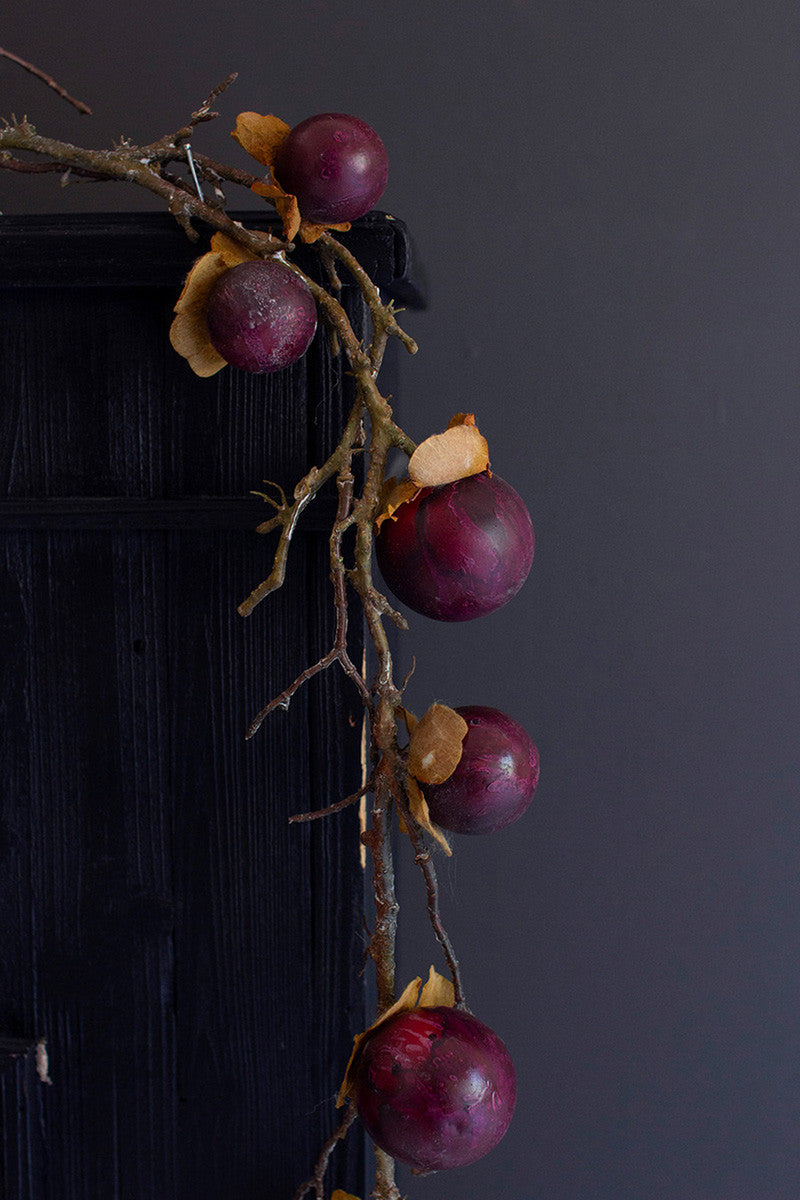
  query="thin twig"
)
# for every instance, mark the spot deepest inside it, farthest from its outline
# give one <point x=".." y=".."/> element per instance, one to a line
<point x="317" y="1180"/>
<point x="339" y="806"/>
<point x="48" y="79"/>
<point x="383" y="319"/>
<point x="9" y="163"/>
<point x="423" y="860"/>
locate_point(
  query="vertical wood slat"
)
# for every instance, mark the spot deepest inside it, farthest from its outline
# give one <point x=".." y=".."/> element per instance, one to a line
<point x="191" y="958"/>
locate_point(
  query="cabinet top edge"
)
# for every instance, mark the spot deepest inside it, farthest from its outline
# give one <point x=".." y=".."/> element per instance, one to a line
<point x="150" y="250"/>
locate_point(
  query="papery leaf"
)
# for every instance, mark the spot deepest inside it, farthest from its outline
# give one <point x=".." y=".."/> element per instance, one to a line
<point x="457" y="453"/>
<point x="340" y="1195"/>
<point x="436" y="744"/>
<point x="260" y="135"/>
<point x="418" y="806"/>
<point x="438" y="991"/>
<point x="309" y="231"/>
<point x="285" y="205"/>
<point x="394" y="494"/>
<point x="409" y="720"/>
<point x="232" y="253"/>
<point x="189" y="331"/>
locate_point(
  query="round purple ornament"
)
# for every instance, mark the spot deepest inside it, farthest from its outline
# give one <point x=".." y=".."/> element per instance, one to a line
<point x="457" y="551"/>
<point x="435" y="1088"/>
<point x="495" y="779"/>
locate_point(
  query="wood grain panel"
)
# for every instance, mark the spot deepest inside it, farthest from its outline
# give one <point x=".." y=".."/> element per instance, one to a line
<point x="190" y="957"/>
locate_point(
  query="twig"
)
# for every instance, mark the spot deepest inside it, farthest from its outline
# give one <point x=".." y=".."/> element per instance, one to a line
<point x="9" y="163"/>
<point x="339" y="806"/>
<point x="45" y="78"/>
<point x="383" y="320"/>
<point x="140" y="165"/>
<point x="317" y="1180"/>
<point x="287" y="515"/>
<point x="424" y="861"/>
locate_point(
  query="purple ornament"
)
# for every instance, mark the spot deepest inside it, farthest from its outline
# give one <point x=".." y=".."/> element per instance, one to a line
<point x="495" y="779"/>
<point x="435" y="1088"/>
<point x="260" y="316"/>
<point x="458" y="551"/>
<point x="335" y="165"/>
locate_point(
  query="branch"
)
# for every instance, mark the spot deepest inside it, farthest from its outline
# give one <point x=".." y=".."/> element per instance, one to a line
<point x="316" y="1182"/>
<point x="287" y="515"/>
<point x="45" y="78"/>
<point x="140" y="165"/>
<point x="383" y="320"/>
<point x="424" y="861"/>
<point x="339" y="806"/>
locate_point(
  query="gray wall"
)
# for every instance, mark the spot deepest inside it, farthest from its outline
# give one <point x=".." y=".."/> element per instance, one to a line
<point x="605" y="204"/>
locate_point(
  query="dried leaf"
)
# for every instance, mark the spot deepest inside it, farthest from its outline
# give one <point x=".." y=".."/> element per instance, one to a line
<point x="189" y="331"/>
<point x="340" y="1195"/>
<point x="232" y="253"/>
<point x="422" y="815"/>
<point x="436" y="744"/>
<point x="444" y="457"/>
<point x="409" y="719"/>
<point x="438" y="991"/>
<point x="285" y="205"/>
<point x="461" y="419"/>
<point x="309" y="232"/>
<point x="394" y="494"/>
<point x="260" y="135"/>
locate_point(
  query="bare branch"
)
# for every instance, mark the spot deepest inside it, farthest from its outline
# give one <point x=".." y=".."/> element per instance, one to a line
<point x="45" y="78"/>
<point x="204" y="112"/>
<point x="339" y="806"/>
<point x="425" y="863"/>
<point x="317" y="1180"/>
<point x="382" y="314"/>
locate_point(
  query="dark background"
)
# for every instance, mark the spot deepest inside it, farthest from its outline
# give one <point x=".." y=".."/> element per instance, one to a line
<point x="605" y="203"/>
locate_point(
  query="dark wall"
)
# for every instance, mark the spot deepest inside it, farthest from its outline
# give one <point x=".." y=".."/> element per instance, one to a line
<point x="605" y="204"/>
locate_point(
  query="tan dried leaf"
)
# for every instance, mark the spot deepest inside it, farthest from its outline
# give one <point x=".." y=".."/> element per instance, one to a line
<point x="260" y="135"/>
<point x="309" y="232"/>
<point x="409" y="719"/>
<point x="445" y="457"/>
<point x="338" y="1194"/>
<point x="436" y="744"/>
<point x="189" y="331"/>
<point x="418" y="806"/>
<point x="232" y="253"/>
<point x="438" y="991"/>
<point x="285" y="205"/>
<point x="394" y="494"/>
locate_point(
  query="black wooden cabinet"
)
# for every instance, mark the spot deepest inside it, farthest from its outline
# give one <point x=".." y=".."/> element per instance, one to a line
<point x="190" y="958"/>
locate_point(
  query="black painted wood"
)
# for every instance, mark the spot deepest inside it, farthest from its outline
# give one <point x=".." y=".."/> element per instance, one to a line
<point x="191" y="959"/>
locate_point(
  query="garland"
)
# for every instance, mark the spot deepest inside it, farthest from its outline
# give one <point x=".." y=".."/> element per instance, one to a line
<point x="433" y="1085"/>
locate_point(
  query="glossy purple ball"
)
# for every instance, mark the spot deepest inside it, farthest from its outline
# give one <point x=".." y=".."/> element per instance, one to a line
<point x="458" y="551"/>
<point x="335" y="165"/>
<point x="260" y="316"/>
<point x="495" y="779"/>
<point x="435" y="1088"/>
